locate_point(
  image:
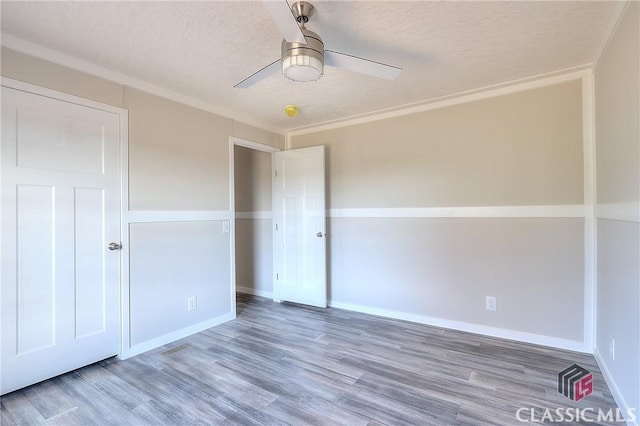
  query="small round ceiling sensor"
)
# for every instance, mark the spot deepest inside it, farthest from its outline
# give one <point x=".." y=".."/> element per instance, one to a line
<point x="291" y="110"/>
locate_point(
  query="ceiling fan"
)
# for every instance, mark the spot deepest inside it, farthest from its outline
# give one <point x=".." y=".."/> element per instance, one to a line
<point x="303" y="55"/>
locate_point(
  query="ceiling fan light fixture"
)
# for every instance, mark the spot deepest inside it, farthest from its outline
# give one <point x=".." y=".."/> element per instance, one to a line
<point x="303" y="62"/>
<point x="302" y="68"/>
<point x="302" y="54"/>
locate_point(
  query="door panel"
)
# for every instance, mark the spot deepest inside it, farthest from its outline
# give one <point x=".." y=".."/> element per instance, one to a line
<point x="35" y="268"/>
<point x="89" y="261"/>
<point x="74" y="137"/>
<point x="60" y="293"/>
<point x="299" y="226"/>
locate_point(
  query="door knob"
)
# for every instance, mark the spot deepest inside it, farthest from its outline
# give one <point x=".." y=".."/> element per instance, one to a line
<point x="115" y="246"/>
<point x="319" y="235"/>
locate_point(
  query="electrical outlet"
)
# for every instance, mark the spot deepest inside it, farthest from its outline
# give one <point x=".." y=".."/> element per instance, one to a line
<point x="192" y="303"/>
<point x="612" y="348"/>
<point x="491" y="303"/>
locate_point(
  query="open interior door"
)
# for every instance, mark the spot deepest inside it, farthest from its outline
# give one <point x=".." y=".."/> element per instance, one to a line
<point x="299" y="229"/>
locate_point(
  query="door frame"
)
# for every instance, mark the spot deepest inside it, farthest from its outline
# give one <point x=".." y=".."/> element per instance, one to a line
<point x="233" y="142"/>
<point x="123" y="116"/>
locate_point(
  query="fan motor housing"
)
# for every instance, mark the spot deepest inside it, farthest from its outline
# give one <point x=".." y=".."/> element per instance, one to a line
<point x="303" y="62"/>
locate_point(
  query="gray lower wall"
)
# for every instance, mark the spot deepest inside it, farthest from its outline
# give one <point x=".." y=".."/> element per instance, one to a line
<point x="254" y="256"/>
<point x="618" y="304"/>
<point x="444" y="268"/>
<point x="171" y="262"/>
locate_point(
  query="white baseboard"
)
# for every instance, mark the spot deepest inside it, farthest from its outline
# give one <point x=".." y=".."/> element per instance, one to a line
<point x="613" y="387"/>
<point x="176" y="335"/>
<point x="520" y="336"/>
<point x="255" y="292"/>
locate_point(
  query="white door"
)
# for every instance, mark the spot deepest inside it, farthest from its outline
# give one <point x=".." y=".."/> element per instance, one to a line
<point x="299" y="226"/>
<point x="60" y="293"/>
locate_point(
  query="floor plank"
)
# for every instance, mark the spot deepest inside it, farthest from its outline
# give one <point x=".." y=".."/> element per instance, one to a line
<point x="289" y="364"/>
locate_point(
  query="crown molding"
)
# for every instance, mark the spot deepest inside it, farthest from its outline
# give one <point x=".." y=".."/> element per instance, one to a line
<point x="509" y="87"/>
<point x="40" y="52"/>
<point x="515" y="86"/>
<point x="611" y="30"/>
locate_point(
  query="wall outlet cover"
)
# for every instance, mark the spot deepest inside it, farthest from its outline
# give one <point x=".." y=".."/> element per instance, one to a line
<point x="612" y="348"/>
<point x="192" y="303"/>
<point x="491" y="303"/>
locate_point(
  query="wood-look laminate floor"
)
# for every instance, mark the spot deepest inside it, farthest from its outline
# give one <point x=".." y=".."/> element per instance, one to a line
<point x="289" y="364"/>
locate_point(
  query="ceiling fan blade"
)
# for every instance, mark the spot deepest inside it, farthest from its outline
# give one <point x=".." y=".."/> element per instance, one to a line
<point x="282" y="15"/>
<point x="361" y="65"/>
<point x="259" y="75"/>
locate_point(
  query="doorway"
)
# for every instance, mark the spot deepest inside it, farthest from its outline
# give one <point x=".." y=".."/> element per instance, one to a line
<point x="252" y="217"/>
<point x="291" y="237"/>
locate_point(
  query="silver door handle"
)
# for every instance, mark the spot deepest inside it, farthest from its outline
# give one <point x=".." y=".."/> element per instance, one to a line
<point x="115" y="246"/>
<point x="319" y="235"/>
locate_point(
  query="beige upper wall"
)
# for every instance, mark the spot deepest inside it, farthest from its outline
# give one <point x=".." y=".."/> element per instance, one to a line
<point x="252" y="180"/>
<point x="178" y="155"/>
<point x="617" y="101"/>
<point x="254" y="134"/>
<point x="518" y="149"/>
<point x="42" y="73"/>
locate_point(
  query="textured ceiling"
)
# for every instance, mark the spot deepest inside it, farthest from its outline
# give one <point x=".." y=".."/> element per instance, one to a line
<point x="200" y="49"/>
